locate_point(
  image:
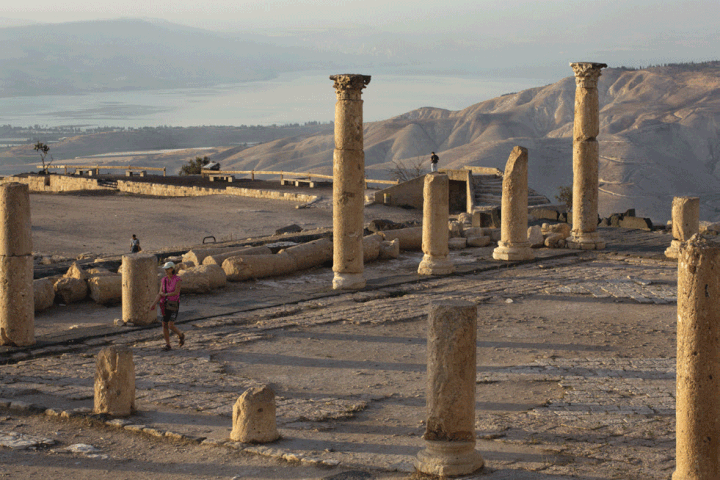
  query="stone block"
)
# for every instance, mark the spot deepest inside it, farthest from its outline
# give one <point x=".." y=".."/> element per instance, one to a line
<point x="473" y="232"/>
<point x="552" y="228"/>
<point x="465" y="218"/>
<point x="389" y="250"/>
<point x="215" y="273"/>
<point x="219" y="258"/>
<point x="636" y="223"/>
<point x="75" y="272"/>
<point x="457" y="243"/>
<point x="106" y="289"/>
<point x="43" y="294"/>
<point x="254" y="416"/>
<point x="535" y="236"/>
<point x="371" y="247"/>
<point x="246" y="267"/>
<point x="455" y="229"/>
<point x="379" y="225"/>
<point x="410" y="238"/>
<point x="555" y="240"/>
<point x="487" y="218"/>
<point x="311" y="254"/>
<point x="194" y="281"/>
<point x="483" y="241"/>
<point x="545" y="214"/>
<point x="115" y="382"/>
<point x="71" y="290"/>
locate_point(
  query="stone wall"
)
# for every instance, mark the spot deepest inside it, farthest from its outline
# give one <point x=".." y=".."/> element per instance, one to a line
<point x="160" y="190"/>
<point x="56" y="183"/>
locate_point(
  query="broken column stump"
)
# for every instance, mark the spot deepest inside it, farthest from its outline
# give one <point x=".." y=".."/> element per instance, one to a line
<point x="115" y="382"/>
<point x="697" y="408"/>
<point x="435" y="234"/>
<point x="685" y="223"/>
<point x="254" y="416"/>
<point x="140" y="286"/>
<point x="450" y="432"/>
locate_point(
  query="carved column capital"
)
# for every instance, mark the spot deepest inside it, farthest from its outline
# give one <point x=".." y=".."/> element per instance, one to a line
<point x="349" y="86"/>
<point x="587" y="73"/>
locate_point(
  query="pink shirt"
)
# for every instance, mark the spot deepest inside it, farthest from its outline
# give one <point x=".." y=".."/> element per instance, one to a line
<point x="168" y="285"/>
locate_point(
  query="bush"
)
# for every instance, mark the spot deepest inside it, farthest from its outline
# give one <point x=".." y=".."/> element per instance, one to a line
<point x="565" y="195"/>
<point x="194" y="167"/>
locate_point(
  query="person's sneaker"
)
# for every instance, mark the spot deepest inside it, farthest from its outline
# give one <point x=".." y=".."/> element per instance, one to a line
<point x="166" y="348"/>
<point x="182" y="339"/>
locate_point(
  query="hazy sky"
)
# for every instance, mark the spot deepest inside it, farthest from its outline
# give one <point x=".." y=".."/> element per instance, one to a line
<point x="506" y="18"/>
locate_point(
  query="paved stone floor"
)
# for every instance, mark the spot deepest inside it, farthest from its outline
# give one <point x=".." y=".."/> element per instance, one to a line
<point x="575" y="365"/>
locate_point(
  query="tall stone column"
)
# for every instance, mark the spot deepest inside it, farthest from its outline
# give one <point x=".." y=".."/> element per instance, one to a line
<point x="140" y="286"/>
<point x="435" y="233"/>
<point x="348" y="182"/>
<point x="685" y="223"/>
<point x="586" y="158"/>
<point x="697" y="409"/>
<point x="513" y="244"/>
<point x="17" y="299"/>
<point x="450" y="432"/>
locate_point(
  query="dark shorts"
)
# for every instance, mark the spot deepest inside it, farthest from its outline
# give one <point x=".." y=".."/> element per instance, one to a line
<point x="170" y="316"/>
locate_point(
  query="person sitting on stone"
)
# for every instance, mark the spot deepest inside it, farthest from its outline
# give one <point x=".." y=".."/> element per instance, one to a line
<point x="135" y="244"/>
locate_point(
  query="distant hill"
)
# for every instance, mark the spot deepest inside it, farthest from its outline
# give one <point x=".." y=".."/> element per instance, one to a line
<point x="76" y="57"/>
<point x="660" y="137"/>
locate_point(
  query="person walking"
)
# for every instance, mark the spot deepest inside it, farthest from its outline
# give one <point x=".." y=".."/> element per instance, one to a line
<point x="169" y="300"/>
<point x="135" y="244"/>
<point x="433" y="162"/>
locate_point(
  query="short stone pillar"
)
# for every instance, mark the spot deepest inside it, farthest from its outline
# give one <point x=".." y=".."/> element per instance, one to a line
<point x="685" y="223"/>
<point x="115" y="382"/>
<point x="348" y="182"/>
<point x="140" y="286"/>
<point x="697" y="396"/>
<point x="17" y="299"/>
<point x="450" y="432"/>
<point x="254" y="416"/>
<point x="514" y="244"/>
<point x="435" y="234"/>
<point x="586" y="158"/>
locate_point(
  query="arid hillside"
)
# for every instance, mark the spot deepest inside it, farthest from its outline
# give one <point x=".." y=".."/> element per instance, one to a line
<point x="659" y="138"/>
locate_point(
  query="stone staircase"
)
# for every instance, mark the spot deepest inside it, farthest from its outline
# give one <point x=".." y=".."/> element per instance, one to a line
<point x="488" y="192"/>
<point x="107" y="183"/>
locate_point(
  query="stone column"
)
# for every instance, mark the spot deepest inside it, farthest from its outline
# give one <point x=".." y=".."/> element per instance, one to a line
<point x="697" y="409"/>
<point x="586" y="157"/>
<point x="513" y="244"/>
<point x="450" y="433"/>
<point x="348" y="182"/>
<point x="140" y="286"/>
<point x="435" y="234"/>
<point x="685" y="222"/>
<point x="17" y="299"/>
<point x="115" y="382"/>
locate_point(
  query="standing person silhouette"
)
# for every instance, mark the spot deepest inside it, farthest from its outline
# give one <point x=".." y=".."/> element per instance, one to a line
<point x="134" y="244"/>
<point x="433" y="162"/>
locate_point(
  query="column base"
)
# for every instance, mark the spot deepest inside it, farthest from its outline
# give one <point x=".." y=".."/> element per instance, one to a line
<point x="513" y="251"/>
<point x="585" y="241"/>
<point x="348" y="281"/>
<point x="431" y="265"/>
<point x="673" y="251"/>
<point x="448" y="458"/>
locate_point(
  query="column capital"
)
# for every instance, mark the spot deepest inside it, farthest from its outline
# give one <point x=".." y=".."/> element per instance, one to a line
<point x="587" y="73"/>
<point x="348" y="86"/>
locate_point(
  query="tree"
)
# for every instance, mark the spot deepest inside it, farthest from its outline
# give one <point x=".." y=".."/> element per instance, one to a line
<point x="194" y="167"/>
<point x="43" y="150"/>
<point x="402" y="172"/>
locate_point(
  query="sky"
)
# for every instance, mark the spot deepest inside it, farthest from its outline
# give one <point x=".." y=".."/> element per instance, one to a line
<point x="507" y="18"/>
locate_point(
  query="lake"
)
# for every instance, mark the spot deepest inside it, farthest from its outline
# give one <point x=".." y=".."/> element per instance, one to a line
<point x="291" y="98"/>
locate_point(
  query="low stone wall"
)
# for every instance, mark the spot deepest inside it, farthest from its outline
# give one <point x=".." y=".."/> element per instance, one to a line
<point x="56" y="183"/>
<point x="160" y="190"/>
